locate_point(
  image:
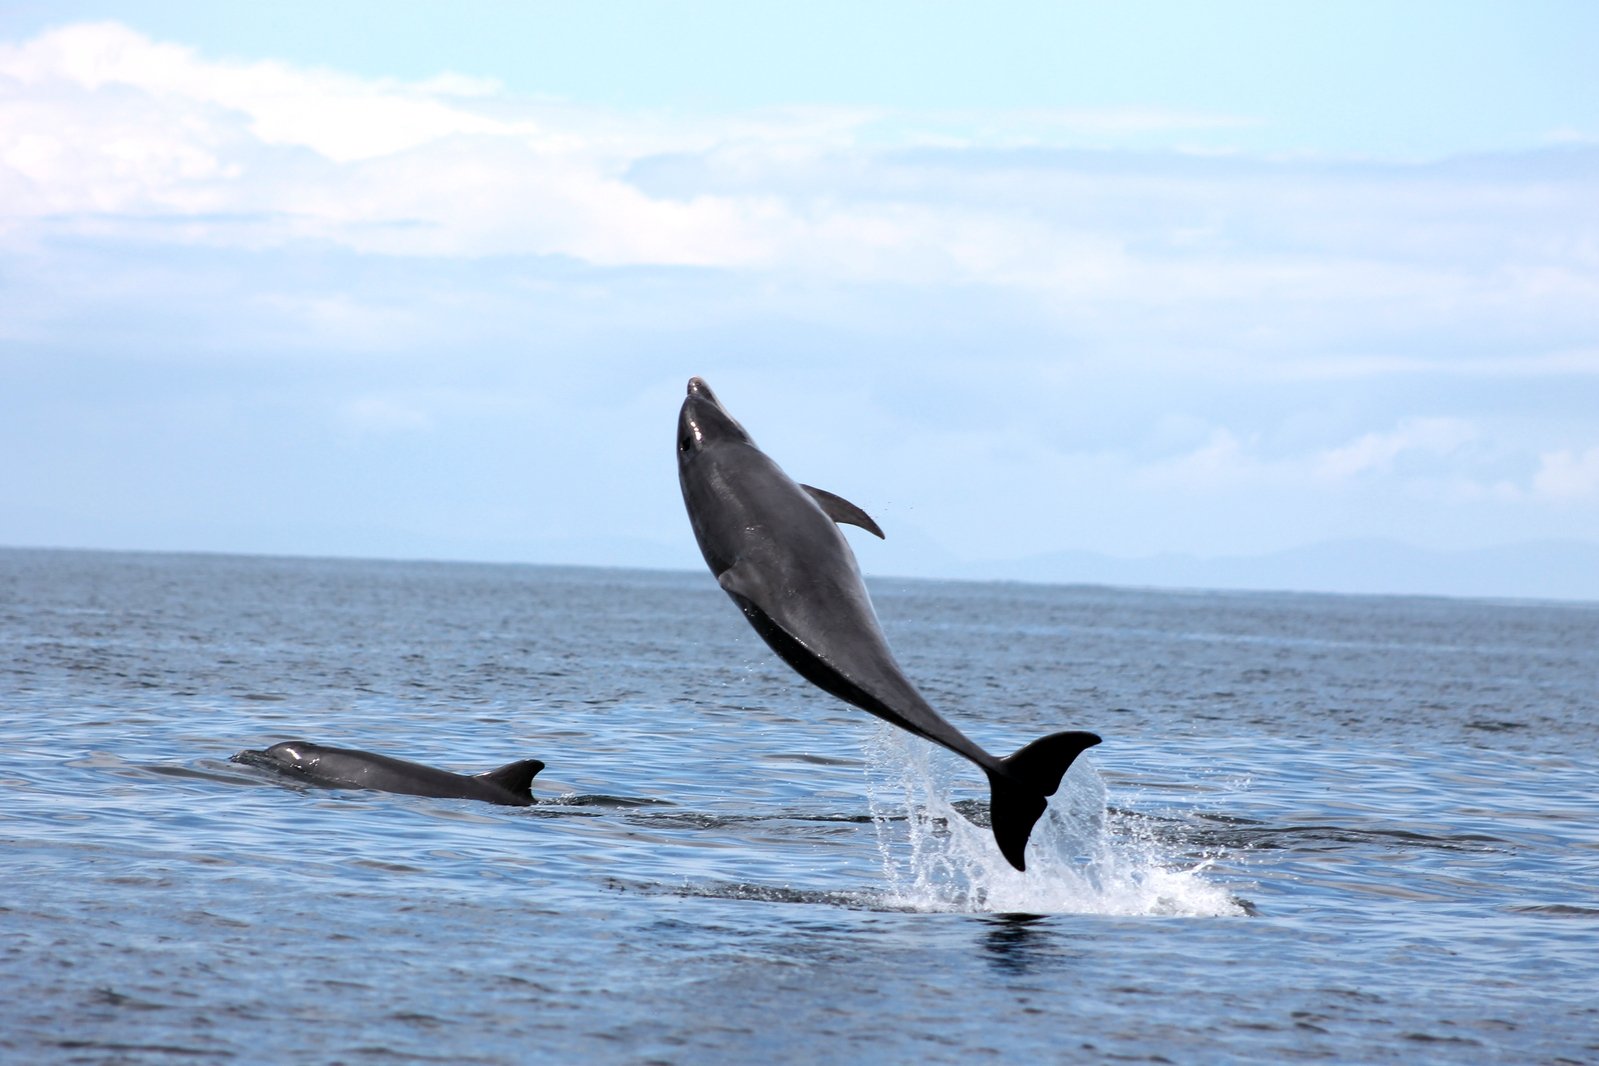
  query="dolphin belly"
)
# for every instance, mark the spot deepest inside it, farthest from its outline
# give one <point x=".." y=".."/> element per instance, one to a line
<point x="819" y="672"/>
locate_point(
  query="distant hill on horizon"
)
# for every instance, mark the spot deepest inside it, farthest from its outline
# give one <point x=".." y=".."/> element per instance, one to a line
<point x="1536" y="570"/>
<point x="1549" y="570"/>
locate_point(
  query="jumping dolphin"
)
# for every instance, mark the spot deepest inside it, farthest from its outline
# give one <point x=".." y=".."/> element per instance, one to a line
<point x="774" y="548"/>
<point x="511" y="785"/>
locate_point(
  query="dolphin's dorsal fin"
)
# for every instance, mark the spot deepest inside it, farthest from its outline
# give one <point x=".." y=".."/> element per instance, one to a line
<point x="516" y="777"/>
<point x="841" y="510"/>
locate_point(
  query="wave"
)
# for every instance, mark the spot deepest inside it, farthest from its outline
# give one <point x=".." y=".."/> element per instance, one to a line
<point x="1081" y="860"/>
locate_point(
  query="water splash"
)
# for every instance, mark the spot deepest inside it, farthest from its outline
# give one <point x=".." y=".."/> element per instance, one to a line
<point x="938" y="859"/>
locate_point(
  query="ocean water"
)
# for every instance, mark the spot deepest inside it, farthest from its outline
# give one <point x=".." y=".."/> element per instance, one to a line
<point x="1320" y="828"/>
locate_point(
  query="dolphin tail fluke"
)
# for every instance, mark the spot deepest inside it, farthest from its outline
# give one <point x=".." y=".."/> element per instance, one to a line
<point x="1022" y="785"/>
<point x="517" y="777"/>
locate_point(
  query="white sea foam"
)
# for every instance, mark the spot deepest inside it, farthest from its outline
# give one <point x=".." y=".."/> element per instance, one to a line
<point x="936" y="859"/>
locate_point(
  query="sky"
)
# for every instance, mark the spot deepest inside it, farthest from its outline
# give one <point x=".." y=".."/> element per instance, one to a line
<point x="1034" y="284"/>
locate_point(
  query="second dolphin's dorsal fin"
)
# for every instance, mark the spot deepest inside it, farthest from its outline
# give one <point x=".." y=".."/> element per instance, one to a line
<point x="841" y="510"/>
<point x="516" y="777"/>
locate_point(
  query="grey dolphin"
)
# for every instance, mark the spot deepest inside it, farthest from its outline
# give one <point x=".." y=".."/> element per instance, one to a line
<point x="775" y="549"/>
<point x="511" y="785"/>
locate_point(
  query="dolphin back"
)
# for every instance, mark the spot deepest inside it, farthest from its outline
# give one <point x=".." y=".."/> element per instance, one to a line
<point x="510" y="785"/>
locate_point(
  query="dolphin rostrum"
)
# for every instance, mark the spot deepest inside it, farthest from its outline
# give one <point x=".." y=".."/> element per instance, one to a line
<point x="510" y="785"/>
<point x="775" y="549"/>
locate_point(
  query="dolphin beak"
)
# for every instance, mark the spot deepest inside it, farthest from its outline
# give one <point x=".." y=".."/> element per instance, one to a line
<point x="703" y="417"/>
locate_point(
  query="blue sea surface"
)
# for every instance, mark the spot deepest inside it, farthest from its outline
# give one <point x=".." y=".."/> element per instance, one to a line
<point x="1320" y="828"/>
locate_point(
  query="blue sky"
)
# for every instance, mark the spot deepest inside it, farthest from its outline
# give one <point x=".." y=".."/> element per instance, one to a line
<point x="1139" y="279"/>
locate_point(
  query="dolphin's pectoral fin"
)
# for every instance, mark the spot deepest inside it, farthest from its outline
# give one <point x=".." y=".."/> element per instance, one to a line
<point x="740" y="580"/>
<point x="841" y="510"/>
<point x="516" y="778"/>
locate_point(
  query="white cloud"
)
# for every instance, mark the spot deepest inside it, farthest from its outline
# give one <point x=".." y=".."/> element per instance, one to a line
<point x="1223" y="461"/>
<point x="339" y="116"/>
<point x="1568" y="475"/>
<point x="1568" y="363"/>
<point x="1378" y="451"/>
<point x="97" y="120"/>
<point x="1428" y="455"/>
<point x="102" y="128"/>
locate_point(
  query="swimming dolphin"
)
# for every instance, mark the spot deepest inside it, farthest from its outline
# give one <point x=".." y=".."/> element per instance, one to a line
<point x="775" y="549"/>
<point x="511" y="785"/>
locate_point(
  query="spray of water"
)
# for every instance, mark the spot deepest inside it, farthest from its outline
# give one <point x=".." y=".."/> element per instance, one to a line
<point x="936" y="859"/>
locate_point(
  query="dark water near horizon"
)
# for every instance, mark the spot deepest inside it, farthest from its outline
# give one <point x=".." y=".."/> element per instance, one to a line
<point x="1320" y="828"/>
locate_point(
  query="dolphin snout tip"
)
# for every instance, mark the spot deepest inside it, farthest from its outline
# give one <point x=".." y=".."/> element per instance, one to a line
<point x="697" y="386"/>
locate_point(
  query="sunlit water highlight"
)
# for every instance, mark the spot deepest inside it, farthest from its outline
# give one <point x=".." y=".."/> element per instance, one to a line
<point x="1320" y="828"/>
